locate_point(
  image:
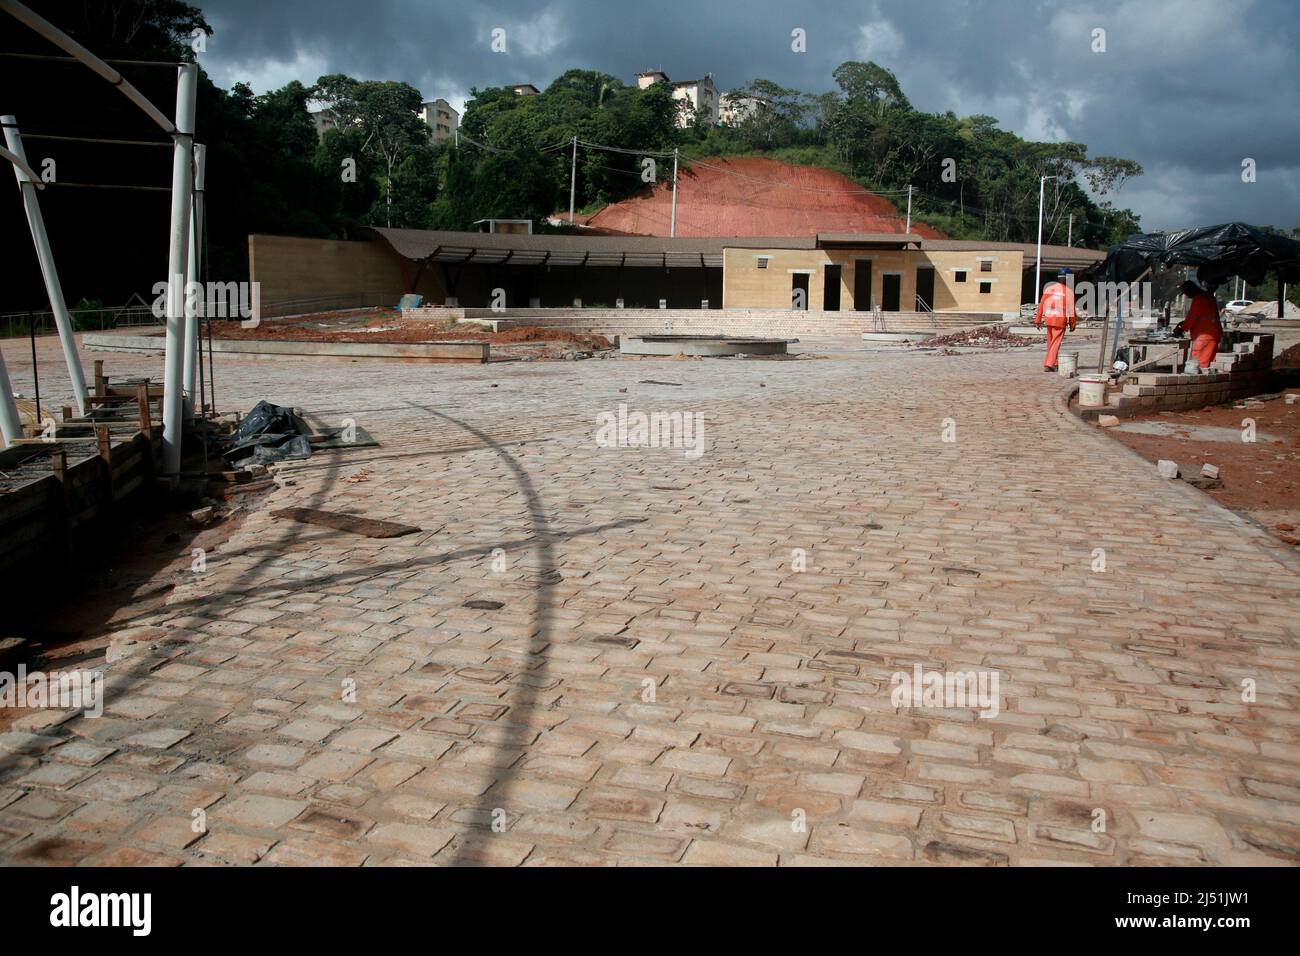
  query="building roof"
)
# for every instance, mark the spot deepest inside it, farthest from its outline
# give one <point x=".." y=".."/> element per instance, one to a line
<point x="570" y="250"/>
<point x="683" y="251"/>
<point x="885" y="240"/>
<point x="1053" y="256"/>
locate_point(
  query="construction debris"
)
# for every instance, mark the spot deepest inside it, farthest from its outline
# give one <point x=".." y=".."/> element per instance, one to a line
<point x="981" y="337"/>
<point x="1167" y="468"/>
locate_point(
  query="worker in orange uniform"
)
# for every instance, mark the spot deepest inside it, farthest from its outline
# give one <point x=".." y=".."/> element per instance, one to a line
<point x="1056" y="309"/>
<point x="1202" y="323"/>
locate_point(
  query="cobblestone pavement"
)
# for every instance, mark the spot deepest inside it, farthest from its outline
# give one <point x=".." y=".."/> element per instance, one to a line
<point x="661" y="684"/>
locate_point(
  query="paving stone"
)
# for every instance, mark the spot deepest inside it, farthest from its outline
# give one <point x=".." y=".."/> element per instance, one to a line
<point x="258" y="811"/>
<point x="772" y="688"/>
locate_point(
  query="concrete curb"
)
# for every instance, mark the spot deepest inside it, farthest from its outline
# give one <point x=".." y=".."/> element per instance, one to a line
<point x="1284" y="554"/>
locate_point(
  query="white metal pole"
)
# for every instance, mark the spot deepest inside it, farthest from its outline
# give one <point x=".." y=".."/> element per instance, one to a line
<point x="177" y="255"/>
<point x="21" y="164"/>
<point x="673" y="229"/>
<point x="53" y="288"/>
<point x="1069" y="236"/>
<point x="1038" y="259"/>
<point x="908" y="230"/>
<point x="11" y="426"/>
<point x="573" y="179"/>
<point x="194" y="303"/>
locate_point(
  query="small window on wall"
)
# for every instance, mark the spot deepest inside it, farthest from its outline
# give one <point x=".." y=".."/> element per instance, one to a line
<point x="959" y="276"/>
<point x="986" y="265"/>
<point x="762" y="262"/>
<point x="986" y="288"/>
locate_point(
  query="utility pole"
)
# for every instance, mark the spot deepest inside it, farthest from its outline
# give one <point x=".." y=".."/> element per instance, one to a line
<point x="673" y="229"/>
<point x="909" y="210"/>
<point x="573" y="179"/>
<point x="1069" y="239"/>
<point x="187" y="82"/>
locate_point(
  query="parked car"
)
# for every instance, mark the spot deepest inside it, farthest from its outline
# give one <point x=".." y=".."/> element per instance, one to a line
<point x="1238" y="305"/>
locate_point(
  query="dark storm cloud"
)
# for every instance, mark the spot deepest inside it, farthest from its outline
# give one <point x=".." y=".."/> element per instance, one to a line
<point x="1189" y="88"/>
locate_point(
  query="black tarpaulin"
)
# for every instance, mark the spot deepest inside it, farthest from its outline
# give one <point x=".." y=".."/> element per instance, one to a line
<point x="269" y="433"/>
<point x="1217" y="253"/>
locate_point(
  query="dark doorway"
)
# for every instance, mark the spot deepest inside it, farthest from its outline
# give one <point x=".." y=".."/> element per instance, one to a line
<point x="831" y="289"/>
<point x="925" y="289"/>
<point x="891" y="287"/>
<point x="799" y="290"/>
<point x="862" y="285"/>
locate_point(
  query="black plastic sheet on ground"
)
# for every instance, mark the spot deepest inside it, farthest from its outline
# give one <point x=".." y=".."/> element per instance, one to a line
<point x="1217" y="252"/>
<point x="269" y="433"/>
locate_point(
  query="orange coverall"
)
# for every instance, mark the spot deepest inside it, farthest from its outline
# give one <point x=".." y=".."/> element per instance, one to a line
<point x="1056" y="308"/>
<point x="1202" y="325"/>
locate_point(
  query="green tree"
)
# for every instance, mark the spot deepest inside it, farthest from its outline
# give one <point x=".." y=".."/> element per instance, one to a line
<point x="384" y="113"/>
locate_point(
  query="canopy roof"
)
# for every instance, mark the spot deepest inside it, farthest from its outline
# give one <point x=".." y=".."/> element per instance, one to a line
<point x="1217" y="252"/>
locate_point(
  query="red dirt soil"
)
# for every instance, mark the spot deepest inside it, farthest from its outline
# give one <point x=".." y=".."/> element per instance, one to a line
<point x="1260" y="479"/>
<point x="751" y="196"/>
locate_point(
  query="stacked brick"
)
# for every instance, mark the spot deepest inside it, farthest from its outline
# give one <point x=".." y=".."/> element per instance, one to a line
<point x="1245" y="371"/>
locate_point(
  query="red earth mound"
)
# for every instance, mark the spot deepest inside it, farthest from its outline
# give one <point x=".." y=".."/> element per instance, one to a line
<point x="751" y="196"/>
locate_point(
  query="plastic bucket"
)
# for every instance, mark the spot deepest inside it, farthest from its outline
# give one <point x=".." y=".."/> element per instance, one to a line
<point x="1092" y="391"/>
<point x="1067" y="363"/>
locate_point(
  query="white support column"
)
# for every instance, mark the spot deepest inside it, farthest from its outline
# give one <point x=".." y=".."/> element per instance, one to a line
<point x="194" y="305"/>
<point x="53" y="288"/>
<point x="177" y="260"/>
<point x="11" y="426"/>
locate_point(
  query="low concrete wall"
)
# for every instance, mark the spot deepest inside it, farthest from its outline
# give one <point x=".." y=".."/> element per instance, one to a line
<point x="1245" y="371"/>
<point x="761" y="322"/>
<point x="441" y="351"/>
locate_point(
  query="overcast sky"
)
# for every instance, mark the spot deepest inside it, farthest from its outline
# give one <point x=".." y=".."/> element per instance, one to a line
<point x="1189" y="88"/>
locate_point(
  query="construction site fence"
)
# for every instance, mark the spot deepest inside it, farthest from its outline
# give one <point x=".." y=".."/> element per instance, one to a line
<point x="23" y="324"/>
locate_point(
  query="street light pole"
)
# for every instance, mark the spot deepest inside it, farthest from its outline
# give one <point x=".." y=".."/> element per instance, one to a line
<point x="1038" y="260"/>
<point x="908" y="229"/>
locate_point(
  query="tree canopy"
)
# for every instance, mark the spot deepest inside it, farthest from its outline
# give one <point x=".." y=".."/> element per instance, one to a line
<point x="269" y="171"/>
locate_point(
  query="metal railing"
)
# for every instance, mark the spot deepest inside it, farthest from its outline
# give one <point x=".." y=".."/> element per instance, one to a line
<point x="16" y="324"/>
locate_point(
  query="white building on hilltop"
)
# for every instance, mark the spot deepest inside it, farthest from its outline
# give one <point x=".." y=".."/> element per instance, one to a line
<point x="694" y="97"/>
<point x="738" y="106"/>
<point x="441" y="119"/>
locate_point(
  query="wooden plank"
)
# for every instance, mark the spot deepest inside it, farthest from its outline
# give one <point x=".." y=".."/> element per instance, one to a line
<point x="142" y="404"/>
<point x="370" y="527"/>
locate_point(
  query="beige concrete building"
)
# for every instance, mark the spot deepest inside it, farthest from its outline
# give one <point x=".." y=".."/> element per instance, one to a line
<point x="829" y="272"/>
<point x="860" y="272"/>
